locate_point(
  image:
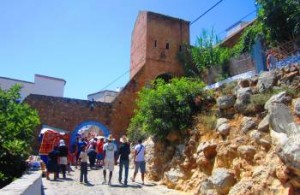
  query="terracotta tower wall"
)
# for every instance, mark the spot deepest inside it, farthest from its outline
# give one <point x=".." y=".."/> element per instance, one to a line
<point x="156" y="41"/>
<point x="138" y="44"/>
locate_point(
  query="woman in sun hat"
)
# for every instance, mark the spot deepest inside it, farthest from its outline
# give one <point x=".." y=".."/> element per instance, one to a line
<point x="124" y="151"/>
<point x="109" y="158"/>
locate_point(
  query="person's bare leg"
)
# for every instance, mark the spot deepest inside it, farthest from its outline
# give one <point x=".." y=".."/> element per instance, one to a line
<point x="134" y="175"/>
<point x="104" y="175"/>
<point x="110" y="176"/>
<point x="143" y="176"/>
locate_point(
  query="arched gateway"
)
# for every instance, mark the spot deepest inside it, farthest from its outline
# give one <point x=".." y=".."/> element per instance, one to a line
<point x="156" y="41"/>
<point x="87" y="125"/>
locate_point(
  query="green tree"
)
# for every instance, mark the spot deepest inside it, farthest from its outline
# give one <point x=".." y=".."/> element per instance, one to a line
<point x="208" y="53"/>
<point x="17" y="122"/>
<point x="164" y="108"/>
<point x="249" y="35"/>
<point x="281" y="18"/>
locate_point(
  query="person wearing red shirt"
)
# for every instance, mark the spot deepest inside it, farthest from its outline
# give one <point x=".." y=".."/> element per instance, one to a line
<point x="100" y="152"/>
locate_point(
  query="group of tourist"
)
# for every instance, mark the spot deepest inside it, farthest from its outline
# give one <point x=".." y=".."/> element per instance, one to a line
<point x="97" y="153"/>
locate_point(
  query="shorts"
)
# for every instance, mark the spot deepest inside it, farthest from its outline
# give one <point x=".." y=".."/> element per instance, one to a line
<point x="140" y="165"/>
<point x="63" y="160"/>
<point x="109" y="164"/>
<point x="99" y="156"/>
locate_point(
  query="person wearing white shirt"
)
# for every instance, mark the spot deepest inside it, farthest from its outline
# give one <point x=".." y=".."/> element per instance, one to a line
<point x="139" y="160"/>
<point x="109" y="158"/>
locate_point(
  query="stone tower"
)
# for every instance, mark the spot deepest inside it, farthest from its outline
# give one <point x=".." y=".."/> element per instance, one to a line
<point x="156" y="41"/>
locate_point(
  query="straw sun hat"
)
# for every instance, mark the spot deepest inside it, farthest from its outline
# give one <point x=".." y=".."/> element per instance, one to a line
<point x="123" y="139"/>
<point x="110" y="138"/>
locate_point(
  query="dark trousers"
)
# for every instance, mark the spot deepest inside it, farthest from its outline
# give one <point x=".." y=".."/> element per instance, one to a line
<point x="63" y="170"/>
<point x="92" y="161"/>
<point x="83" y="172"/>
<point x="124" y="164"/>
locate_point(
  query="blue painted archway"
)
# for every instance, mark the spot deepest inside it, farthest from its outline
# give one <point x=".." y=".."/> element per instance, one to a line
<point x="102" y="128"/>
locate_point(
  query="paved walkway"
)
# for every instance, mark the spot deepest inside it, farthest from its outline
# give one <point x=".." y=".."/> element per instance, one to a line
<point x="71" y="185"/>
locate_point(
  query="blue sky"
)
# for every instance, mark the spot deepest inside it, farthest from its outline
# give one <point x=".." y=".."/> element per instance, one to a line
<point x="87" y="42"/>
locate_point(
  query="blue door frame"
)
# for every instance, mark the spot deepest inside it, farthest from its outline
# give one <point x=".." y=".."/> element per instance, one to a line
<point x="102" y="128"/>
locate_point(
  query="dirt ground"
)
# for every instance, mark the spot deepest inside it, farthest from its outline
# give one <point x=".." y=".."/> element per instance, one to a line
<point x="71" y="185"/>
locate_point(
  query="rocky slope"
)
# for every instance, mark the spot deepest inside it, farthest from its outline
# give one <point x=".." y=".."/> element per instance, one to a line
<point x="252" y="148"/>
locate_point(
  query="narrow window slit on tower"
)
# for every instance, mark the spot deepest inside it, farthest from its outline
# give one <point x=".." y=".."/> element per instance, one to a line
<point x="167" y="46"/>
<point x="155" y="43"/>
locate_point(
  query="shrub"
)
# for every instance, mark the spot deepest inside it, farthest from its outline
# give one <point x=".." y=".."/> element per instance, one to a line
<point x="281" y="18"/>
<point x="260" y="99"/>
<point x="208" y="120"/>
<point x="165" y="107"/>
<point x="17" y="122"/>
<point x="207" y="53"/>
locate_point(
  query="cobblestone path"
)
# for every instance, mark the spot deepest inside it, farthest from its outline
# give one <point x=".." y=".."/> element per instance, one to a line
<point x="72" y="186"/>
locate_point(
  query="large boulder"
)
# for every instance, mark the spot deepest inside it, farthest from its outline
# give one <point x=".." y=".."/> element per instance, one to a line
<point x="278" y="138"/>
<point x="209" y="149"/>
<point x="280" y="118"/>
<point x="243" y="100"/>
<point x="244" y="83"/>
<point x="221" y="121"/>
<point x="290" y="153"/>
<point x="226" y="101"/>
<point x="248" y="124"/>
<point x="281" y="97"/>
<point x="246" y="152"/>
<point x="172" y="176"/>
<point x="266" y="81"/>
<point x="222" y="126"/>
<point x="222" y="180"/>
<point x="224" y="129"/>
<point x="264" y="124"/>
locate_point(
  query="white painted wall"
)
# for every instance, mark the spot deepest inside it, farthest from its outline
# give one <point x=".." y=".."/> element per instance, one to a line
<point x="28" y="184"/>
<point x="42" y="85"/>
<point x="7" y="83"/>
<point x="103" y="96"/>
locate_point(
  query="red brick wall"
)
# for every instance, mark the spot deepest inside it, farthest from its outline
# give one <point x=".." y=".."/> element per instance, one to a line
<point x="67" y="113"/>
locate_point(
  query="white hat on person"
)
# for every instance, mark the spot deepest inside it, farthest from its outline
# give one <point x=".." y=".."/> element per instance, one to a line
<point x="62" y="142"/>
<point x="110" y="138"/>
<point x="123" y="139"/>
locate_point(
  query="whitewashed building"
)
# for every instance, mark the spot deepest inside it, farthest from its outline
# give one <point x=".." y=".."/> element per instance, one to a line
<point x="103" y="96"/>
<point x="42" y="85"/>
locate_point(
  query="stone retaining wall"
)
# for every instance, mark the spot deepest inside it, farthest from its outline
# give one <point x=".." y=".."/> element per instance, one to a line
<point x="28" y="184"/>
